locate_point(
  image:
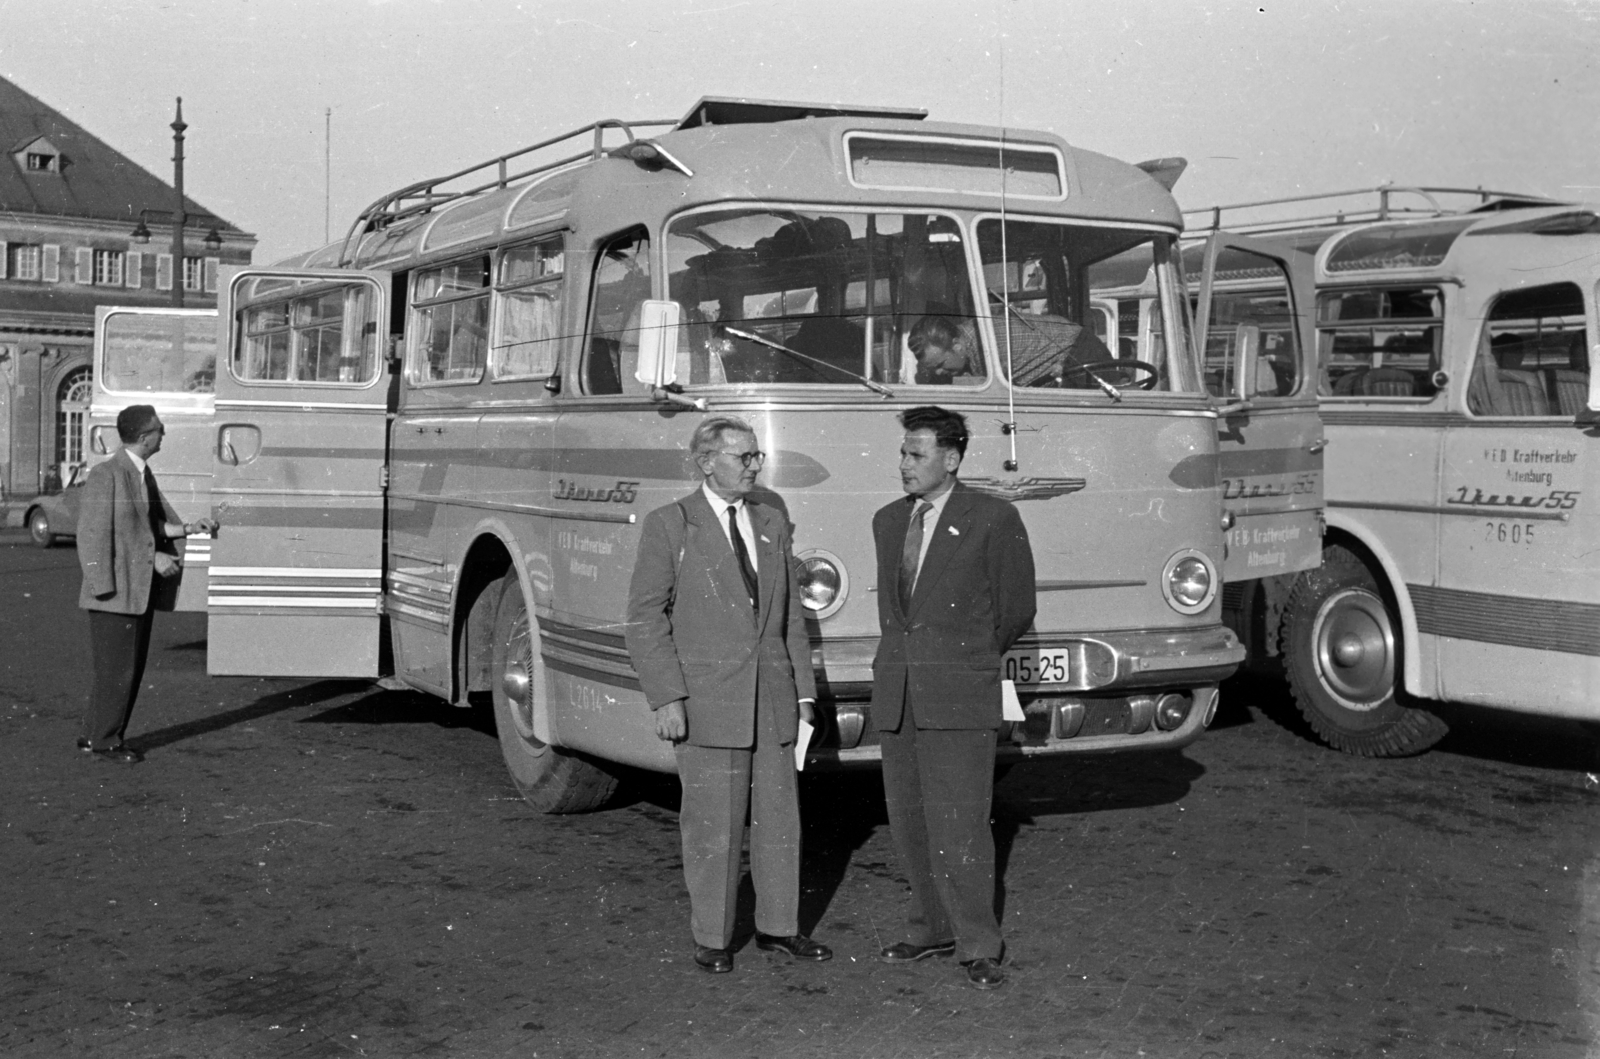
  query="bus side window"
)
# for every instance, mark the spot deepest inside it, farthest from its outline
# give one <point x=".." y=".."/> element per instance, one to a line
<point x="529" y="295"/>
<point x="450" y="314"/>
<point x="1532" y="357"/>
<point x="621" y="284"/>
<point x="1379" y="342"/>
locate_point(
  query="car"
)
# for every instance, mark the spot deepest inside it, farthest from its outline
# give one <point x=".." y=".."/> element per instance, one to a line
<point x="56" y="514"/>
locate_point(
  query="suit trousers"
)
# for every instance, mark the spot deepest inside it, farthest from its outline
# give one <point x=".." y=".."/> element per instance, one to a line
<point x="938" y="785"/>
<point x="118" y="647"/>
<point x="720" y="785"/>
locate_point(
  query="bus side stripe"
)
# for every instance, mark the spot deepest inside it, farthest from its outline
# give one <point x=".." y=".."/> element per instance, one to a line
<point x="1512" y="621"/>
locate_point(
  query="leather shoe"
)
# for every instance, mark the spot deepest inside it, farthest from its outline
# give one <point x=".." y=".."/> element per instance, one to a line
<point x="905" y="952"/>
<point x="122" y="755"/>
<point x="84" y="744"/>
<point x="798" y="947"/>
<point x="713" y="961"/>
<point x="985" y="973"/>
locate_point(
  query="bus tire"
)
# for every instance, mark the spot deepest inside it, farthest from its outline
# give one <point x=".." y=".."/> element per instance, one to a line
<point x="550" y="779"/>
<point x="39" y="530"/>
<point x="1342" y="652"/>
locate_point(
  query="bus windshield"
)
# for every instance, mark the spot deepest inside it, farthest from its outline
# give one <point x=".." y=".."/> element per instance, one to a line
<point x="848" y="296"/>
<point x="157" y="354"/>
<point x="1038" y="277"/>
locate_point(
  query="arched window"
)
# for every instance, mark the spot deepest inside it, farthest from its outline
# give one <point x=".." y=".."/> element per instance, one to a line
<point x="72" y="408"/>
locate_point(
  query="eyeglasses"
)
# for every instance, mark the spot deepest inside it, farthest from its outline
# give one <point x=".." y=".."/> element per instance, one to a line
<point x="746" y="458"/>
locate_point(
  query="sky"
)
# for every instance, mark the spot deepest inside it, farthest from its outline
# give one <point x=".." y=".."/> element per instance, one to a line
<point x="1264" y="99"/>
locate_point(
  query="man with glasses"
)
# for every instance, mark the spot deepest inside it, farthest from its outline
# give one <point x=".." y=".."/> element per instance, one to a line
<point x="125" y="533"/>
<point x="717" y="638"/>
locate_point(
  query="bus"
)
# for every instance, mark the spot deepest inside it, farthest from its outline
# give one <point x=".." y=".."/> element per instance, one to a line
<point x="436" y="438"/>
<point x="166" y="358"/>
<point x="1455" y="329"/>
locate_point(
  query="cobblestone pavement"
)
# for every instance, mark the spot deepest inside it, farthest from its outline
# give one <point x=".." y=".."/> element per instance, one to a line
<point x="323" y="868"/>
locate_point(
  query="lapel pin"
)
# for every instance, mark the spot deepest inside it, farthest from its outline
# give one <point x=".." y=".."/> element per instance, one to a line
<point x="953" y="531"/>
<point x="764" y="539"/>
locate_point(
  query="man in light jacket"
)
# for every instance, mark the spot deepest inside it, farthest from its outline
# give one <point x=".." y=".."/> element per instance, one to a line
<point x="717" y="638"/>
<point x="125" y="533"/>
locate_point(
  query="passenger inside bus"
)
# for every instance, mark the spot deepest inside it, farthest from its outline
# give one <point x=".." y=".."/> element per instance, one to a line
<point x="947" y="352"/>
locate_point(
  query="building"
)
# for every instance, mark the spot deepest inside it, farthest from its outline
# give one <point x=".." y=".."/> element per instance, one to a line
<point x="81" y="225"/>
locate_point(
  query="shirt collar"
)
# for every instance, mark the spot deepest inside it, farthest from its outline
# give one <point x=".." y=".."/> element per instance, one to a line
<point x="719" y="504"/>
<point x="138" y="461"/>
<point x="938" y="500"/>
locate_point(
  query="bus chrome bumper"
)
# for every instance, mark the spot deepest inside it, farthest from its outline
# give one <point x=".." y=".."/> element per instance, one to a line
<point x="1136" y="690"/>
<point x="1137" y="658"/>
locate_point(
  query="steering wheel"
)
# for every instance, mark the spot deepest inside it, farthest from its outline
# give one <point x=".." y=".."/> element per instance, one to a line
<point x="1124" y="372"/>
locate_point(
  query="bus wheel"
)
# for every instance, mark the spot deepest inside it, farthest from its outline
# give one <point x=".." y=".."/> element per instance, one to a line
<point x="1343" y="661"/>
<point x="552" y="780"/>
<point x="39" y="528"/>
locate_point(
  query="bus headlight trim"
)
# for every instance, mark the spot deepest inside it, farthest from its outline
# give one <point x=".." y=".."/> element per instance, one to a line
<point x="824" y="584"/>
<point x="1189" y="582"/>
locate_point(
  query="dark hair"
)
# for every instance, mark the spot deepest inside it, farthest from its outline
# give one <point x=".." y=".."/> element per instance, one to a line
<point x="949" y="428"/>
<point x="939" y="328"/>
<point x="133" y="421"/>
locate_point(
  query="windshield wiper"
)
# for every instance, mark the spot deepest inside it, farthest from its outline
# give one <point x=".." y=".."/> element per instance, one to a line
<point x="876" y="388"/>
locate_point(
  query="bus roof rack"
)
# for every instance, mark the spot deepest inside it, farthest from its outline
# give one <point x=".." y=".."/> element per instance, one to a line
<point x="1365" y="204"/>
<point x="727" y="110"/>
<point x="492" y="175"/>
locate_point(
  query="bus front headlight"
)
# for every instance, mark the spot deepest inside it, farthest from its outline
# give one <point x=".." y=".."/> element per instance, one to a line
<point x="1189" y="582"/>
<point x="823" y="583"/>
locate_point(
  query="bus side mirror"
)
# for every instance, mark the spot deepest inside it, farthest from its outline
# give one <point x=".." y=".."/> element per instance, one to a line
<point x="658" y="343"/>
<point x="1248" y="344"/>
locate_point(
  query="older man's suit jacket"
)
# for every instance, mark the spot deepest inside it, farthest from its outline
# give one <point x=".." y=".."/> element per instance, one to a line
<point x="693" y="635"/>
<point x="974" y="597"/>
<point x="116" y="539"/>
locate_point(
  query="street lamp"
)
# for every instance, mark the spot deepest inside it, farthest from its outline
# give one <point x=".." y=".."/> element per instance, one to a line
<point x="180" y="217"/>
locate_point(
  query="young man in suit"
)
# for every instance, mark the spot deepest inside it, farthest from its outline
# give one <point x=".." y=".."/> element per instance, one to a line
<point x="717" y="638"/>
<point x="125" y="533"/>
<point x="955" y="591"/>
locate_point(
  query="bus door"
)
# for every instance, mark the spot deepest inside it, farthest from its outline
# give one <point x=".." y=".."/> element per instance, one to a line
<point x="1254" y="319"/>
<point x="1517" y="603"/>
<point x="302" y="406"/>
<point x="166" y="358"/>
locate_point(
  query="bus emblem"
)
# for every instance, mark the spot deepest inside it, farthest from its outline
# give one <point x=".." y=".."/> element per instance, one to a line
<point x="1017" y="489"/>
<point x="622" y="493"/>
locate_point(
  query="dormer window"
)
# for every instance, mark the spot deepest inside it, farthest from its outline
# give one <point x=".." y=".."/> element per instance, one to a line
<point x="38" y="155"/>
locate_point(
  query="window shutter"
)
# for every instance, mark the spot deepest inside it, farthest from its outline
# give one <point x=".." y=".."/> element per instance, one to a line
<point x="85" y="266"/>
<point x="51" y="269"/>
<point x="163" y="272"/>
<point x="135" y="268"/>
<point x="212" y="265"/>
<point x="5" y="259"/>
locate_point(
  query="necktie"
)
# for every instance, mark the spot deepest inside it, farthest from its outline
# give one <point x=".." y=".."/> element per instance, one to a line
<point x="746" y="571"/>
<point x="152" y="498"/>
<point x="911" y="554"/>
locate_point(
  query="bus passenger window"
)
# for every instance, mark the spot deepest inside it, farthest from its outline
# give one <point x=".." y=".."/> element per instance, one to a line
<point x="306" y="331"/>
<point x="1533" y="355"/>
<point x="529" y="295"/>
<point x="621" y="284"/>
<point x="450" y="322"/>
<point x="1379" y="342"/>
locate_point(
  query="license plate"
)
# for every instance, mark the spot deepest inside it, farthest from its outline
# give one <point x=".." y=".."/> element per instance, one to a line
<point x="1035" y="666"/>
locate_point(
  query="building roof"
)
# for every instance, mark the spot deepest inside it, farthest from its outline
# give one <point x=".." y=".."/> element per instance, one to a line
<point x="94" y="179"/>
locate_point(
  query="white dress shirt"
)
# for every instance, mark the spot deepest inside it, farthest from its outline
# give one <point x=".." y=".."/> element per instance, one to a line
<point x="931" y="519"/>
<point x="720" y="505"/>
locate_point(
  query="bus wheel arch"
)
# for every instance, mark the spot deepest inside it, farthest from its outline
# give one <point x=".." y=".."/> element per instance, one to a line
<point x="550" y="779"/>
<point x="1344" y="651"/>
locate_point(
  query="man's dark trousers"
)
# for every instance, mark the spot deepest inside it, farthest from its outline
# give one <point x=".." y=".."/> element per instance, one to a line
<point x="938" y="785"/>
<point x="118" y="647"/>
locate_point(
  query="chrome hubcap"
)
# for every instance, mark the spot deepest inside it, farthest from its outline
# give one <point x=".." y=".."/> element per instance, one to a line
<point x="1355" y="649"/>
<point x="517" y="679"/>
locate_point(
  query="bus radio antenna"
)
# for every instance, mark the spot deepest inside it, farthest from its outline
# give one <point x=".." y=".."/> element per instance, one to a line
<point x="1009" y="427"/>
